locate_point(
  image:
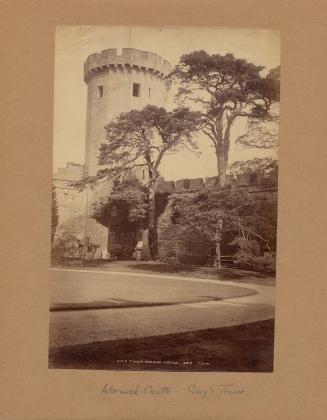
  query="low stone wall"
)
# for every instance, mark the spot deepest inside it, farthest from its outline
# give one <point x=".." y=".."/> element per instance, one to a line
<point x="254" y="181"/>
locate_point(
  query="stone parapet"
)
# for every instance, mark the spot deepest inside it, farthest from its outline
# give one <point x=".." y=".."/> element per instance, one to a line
<point x="189" y="184"/>
<point x="252" y="181"/>
<point x="130" y="58"/>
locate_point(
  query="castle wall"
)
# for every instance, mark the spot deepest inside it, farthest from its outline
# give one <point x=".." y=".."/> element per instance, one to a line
<point x="175" y="245"/>
<point x="78" y="227"/>
<point x="129" y="56"/>
<point x="71" y="208"/>
<point x="82" y="235"/>
<point x="70" y="202"/>
<point x="253" y="182"/>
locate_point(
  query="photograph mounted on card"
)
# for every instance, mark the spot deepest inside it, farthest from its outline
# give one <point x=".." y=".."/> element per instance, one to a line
<point x="164" y="198"/>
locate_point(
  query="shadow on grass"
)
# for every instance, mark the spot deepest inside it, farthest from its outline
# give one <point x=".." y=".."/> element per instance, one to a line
<point x="242" y="348"/>
<point x="231" y="274"/>
<point x="122" y="303"/>
<point x="162" y="267"/>
<point x="237" y="274"/>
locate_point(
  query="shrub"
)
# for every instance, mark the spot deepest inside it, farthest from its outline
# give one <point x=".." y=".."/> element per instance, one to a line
<point x="266" y="262"/>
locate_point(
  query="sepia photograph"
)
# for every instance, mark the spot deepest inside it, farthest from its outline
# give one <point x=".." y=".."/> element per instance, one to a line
<point x="164" y="198"/>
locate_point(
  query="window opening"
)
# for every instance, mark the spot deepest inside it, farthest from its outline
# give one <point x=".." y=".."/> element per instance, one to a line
<point x="100" y="90"/>
<point x="136" y="89"/>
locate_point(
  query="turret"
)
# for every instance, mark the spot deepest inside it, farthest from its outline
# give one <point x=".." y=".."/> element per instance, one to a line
<point x="116" y="84"/>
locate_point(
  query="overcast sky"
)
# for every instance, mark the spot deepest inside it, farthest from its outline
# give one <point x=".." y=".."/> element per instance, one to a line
<point x="75" y="43"/>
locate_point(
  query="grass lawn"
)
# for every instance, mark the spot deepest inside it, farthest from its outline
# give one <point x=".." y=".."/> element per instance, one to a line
<point x="229" y="274"/>
<point x="160" y="267"/>
<point x="243" y="348"/>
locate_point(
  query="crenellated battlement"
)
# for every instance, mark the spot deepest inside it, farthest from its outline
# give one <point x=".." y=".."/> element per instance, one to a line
<point x="255" y="182"/>
<point x="130" y="58"/>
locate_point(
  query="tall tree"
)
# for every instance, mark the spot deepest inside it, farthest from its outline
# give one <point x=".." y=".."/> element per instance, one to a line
<point x="201" y="212"/>
<point x="224" y="89"/>
<point x="141" y="139"/>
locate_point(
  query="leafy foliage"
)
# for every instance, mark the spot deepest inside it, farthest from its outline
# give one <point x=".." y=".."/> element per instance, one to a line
<point x="250" y="220"/>
<point x="260" y="134"/>
<point x="193" y="249"/>
<point x="142" y="138"/>
<point x="246" y="259"/>
<point x="226" y="84"/>
<point x="223" y="88"/>
<point x="126" y="209"/>
<point x="253" y="166"/>
<point x="201" y="211"/>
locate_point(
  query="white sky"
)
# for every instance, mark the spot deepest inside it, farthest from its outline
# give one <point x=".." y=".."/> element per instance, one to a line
<point x="75" y="43"/>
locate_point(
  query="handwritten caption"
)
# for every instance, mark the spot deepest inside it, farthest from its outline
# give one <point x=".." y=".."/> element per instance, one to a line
<point x="195" y="390"/>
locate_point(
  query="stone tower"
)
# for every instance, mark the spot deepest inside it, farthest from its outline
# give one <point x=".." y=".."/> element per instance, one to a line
<point x="116" y="84"/>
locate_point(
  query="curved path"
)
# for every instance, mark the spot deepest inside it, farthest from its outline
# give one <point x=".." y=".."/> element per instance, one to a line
<point x="89" y="305"/>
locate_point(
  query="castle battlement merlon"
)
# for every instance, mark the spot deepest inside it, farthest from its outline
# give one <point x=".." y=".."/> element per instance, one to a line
<point x="260" y="182"/>
<point x="130" y="58"/>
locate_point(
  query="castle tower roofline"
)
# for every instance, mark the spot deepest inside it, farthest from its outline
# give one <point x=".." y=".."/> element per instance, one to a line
<point x="130" y="57"/>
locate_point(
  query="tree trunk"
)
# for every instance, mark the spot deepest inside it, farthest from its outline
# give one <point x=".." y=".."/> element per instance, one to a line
<point x="222" y="151"/>
<point x="219" y="229"/>
<point x="221" y="172"/>
<point x="218" y="255"/>
<point x="152" y="223"/>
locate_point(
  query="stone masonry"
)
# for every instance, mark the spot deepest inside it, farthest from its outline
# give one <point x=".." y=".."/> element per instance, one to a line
<point x="115" y="84"/>
<point x="263" y="186"/>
